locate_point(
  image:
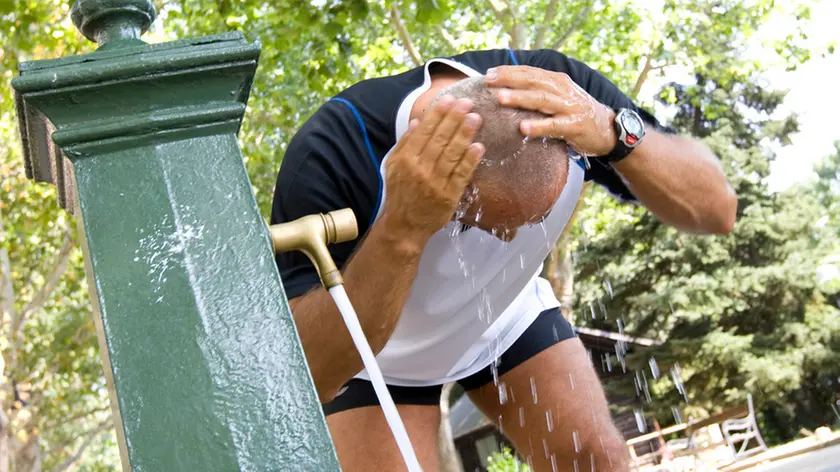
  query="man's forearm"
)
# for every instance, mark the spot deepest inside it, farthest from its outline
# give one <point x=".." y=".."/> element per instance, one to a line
<point x="377" y="280"/>
<point x="681" y="182"/>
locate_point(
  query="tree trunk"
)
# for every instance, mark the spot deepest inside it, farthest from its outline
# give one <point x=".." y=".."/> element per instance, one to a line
<point x="4" y="441"/>
<point x="28" y="458"/>
<point x="565" y="282"/>
<point x="449" y="459"/>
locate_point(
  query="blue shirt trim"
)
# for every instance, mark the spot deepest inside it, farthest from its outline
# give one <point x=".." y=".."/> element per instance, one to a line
<point x="513" y="57"/>
<point x="361" y="123"/>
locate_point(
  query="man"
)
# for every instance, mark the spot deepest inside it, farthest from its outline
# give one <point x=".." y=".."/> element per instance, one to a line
<point x="447" y="298"/>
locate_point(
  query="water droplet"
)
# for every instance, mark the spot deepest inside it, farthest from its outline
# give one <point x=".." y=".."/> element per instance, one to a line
<point x="548" y="423"/>
<point x="521" y="417"/>
<point x="640" y="421"/>
<point x="502" y="393"/>
<point x="544" y="143"/>
<point x="575" y="463"/>
<point x="678" y="417"/>
<point x="571" y="381"/>
<point x="501" y="428"/>
<point x="676" y="377"/>
<point x="620" y="326"/>
<point x="545" y="447"/>
<point x="478" y="214"/>
<point x="553" y="463"/>
<point x="521" y="261"/>
<point x="525" y="140"/>
<point x="654" y="368"/>
<point x="494" y="369"/>
<point x="609" y="288"/>
<point x="576" y="439"/>
<point x="592" y="462"/>
<point x="534" y="390"/>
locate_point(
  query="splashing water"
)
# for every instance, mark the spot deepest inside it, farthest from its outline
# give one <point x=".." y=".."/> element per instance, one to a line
<point x="478" y="213"/>
<point x="836" y="411"/>
<point x="553" y="463"/>
<point x="501" y="427"/>
<point x="525" y="141"/>
<point x="545" y="448"/>
<point x="576" y="439"/>
<point x="494" y="369"/>
<point x="640" y="421"/>
<point x="571" y="381"/>
<point x="521" y="417"/>
<point x="575" y="463"/>
<point x="592" y="310"/>
<point x="677" y="416"/>
<point x="548" y="423"/>
<point x="534" y="390"/>
<point x="592" y="462"/>
<point x="676" y="376"/>
<point x="609" y="288"/>
<point x="654" y="368"/>
<point x="521" y="261"/>
<point x="545" y="143"/>
<point x="502" y="393"/>
<point x="647" y="389"/>
<point x="485" y="311"/>
<point x="459" y="252"/>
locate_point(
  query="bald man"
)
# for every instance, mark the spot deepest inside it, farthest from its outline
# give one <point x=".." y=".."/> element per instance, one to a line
<point x="462" y="174"/>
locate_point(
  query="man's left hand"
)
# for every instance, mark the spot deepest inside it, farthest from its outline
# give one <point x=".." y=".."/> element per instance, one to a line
<point x="574" y="116"/>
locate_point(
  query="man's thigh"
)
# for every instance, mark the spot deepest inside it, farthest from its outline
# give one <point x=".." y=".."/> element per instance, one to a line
<point x="361" y="435"/>
<point x="555" y="412"/>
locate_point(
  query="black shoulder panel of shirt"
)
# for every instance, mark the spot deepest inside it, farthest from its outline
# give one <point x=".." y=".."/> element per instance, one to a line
<point x="333" y="161"/>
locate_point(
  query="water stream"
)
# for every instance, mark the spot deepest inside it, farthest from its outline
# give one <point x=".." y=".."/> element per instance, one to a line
<point x="369" y="360"/>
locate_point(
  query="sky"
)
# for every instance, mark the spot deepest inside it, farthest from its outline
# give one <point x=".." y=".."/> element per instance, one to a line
<point x="814" y="94"/>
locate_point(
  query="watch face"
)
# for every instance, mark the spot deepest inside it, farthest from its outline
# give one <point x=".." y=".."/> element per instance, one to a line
<point x="632" y="124"/>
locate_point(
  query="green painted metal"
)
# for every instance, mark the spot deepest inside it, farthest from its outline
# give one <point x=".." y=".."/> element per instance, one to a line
<point x="198" y="341"/>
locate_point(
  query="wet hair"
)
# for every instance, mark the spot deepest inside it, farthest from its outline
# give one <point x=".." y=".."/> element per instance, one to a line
<point x="522" y="176"/>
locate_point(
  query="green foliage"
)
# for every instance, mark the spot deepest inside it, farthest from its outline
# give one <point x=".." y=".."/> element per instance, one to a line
<point x="505" y="461"/>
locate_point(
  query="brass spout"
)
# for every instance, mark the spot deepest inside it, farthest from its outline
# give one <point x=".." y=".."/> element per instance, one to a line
<point x="311" y="234"/>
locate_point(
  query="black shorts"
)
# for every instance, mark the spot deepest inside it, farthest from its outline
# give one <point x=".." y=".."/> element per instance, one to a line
<point x="548" y="329"/>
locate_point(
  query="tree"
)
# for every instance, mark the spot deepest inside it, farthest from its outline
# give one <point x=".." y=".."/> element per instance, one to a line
<point x="742" y="313"/>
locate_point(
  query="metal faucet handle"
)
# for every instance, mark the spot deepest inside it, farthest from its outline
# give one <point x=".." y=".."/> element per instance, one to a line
<point x="341" y="226"/>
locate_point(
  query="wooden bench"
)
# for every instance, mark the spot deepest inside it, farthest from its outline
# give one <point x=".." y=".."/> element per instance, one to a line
<point x="690" y="429"/>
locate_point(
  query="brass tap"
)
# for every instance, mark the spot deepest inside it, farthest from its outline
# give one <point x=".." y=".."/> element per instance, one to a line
<point x="311" y="234"/>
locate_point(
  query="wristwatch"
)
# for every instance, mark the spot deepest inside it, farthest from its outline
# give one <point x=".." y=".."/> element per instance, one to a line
<point x="630" y="131"/>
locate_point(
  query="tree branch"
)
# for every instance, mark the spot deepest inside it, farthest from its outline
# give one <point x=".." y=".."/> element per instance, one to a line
<point x="448" y="38"/>
<point x="550" y="11"/>
<point x="54" y="277"/>
<point x="91" y="435"/>
<point x="572" y="27"/>
<point x="643" y="75"/>
<point x="398" y="24"/>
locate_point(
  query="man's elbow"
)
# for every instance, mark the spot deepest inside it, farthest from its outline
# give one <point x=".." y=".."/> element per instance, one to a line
<point x="722" y="218"/>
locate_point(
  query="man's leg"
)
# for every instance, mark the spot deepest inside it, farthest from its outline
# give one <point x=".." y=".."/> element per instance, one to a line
<point x="554" y="409"/>
<point x="361" y="435"/>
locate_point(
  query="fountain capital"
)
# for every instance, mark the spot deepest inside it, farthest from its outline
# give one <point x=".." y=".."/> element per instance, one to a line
<point x="113" y="21"/>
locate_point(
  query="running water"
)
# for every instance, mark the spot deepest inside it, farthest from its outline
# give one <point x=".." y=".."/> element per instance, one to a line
<point x="576" y="440"/>
<point x="678" y="417"/>
<point x="640" y="421"/>
<point x="836" y="411"/>
<point x="548" y="423"/>
<point x="654" y="368"/>
<point x="676" y="376"/>
<point x="534" y="390"/>
<point x="392" y="417"/>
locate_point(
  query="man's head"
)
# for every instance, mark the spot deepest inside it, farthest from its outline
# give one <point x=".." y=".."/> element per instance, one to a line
<point x="518" y="180"/>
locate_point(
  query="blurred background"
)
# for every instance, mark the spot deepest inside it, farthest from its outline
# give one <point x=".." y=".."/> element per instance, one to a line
<point x="688" y="326"/>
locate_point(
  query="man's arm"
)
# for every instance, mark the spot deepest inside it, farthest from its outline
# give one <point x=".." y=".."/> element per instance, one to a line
<point x="377" y="280"/>
<point x="425" y="179"/>
<point x="680" y="181"/>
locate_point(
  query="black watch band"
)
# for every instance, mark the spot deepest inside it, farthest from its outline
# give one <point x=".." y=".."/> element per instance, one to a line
<point x="629" y="132"/>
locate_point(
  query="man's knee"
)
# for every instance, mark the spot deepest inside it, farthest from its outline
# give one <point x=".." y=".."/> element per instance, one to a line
<point x="607" y="448"/>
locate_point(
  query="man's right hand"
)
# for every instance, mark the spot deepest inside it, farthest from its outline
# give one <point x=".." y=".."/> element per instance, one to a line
<point x="429" y="169"/>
